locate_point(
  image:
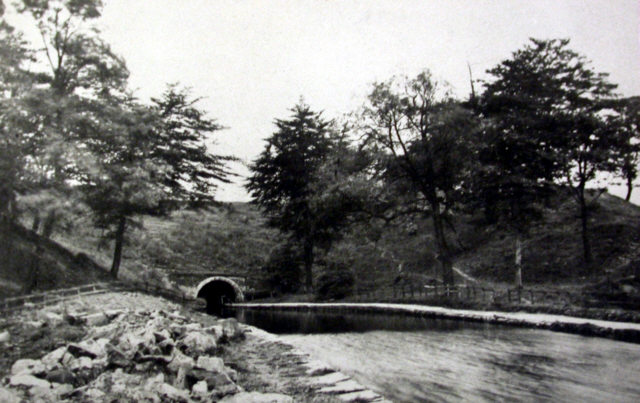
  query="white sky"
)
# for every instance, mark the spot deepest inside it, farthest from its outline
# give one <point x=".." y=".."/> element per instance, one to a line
<point x="252" y="60"/>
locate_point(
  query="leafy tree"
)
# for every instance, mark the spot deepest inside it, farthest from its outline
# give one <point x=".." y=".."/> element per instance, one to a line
<point x="183" y="143"/>
<point x="552" y="104"/>
<point x="423" y="136"/>
<point x="628" y="123"/>
<point x="126" y="181"/>
<point x="15" y="80"/>
<point x="76" y="69"/>
<point x="282" y="176"/>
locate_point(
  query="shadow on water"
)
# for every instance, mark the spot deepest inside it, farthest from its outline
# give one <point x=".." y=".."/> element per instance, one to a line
<point x="309" y="322"/>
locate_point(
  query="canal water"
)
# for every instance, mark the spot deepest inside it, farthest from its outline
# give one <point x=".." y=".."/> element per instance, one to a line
<point x="411" y="359"/>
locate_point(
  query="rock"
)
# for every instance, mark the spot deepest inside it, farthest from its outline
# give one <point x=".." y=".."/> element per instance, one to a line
<point x="181" y="379"/>
<point x="60" y="375"/>
<point x="9" y="396"/>
<point x="96" y="319"/>
<point x="232" y="373"/>
<point x="191" y="327"/>
<point x="329" y="379"/>
<point x="89" y="348"/>
<point x="347" y="386"/>
<point x="154" y="381"/>
<point x="230" y="328"/>
<point x="212" y="364"/>
<point x="54" y="358"/>
<point x="5" y="337"/>
<point x="83" y="362"/>
<point x="200" y="388"/>
<point x="51" y="394"/>
<point x="180" y="360"/>
<point x="116" y="358"/>
<point x="62" y="389"/>
<point x="94" y="395"/>
<point x="173" y="394"/>
<point x="28" y="381"/>
<point x="360" y="397"/>
<point x="78" y="351"/>
<point x="50" y="318"/>
<point x="162" y="335"/>
<point x="35" y="324"/>
<point x="197" y="343"/>
<point x="27" y="366"/>
<point x="215" y="380"/>
<point x="114" y="313"/>
<point x="107" y="331"/>
<point x="257" y="397"/>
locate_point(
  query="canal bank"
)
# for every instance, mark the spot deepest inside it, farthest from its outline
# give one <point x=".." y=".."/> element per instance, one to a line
<point x="620" y="331"/>
<point x="130" y="346"/>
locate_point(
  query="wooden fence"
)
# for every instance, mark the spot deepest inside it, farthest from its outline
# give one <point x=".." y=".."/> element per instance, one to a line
<point x="32" y="301"/>
<point x="470" y="293"/>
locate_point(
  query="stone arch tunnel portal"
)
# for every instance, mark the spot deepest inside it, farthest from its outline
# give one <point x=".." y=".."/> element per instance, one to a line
<point x="218" y="291"/>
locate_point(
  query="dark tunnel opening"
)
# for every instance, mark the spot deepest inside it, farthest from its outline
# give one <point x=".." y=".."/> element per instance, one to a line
<point x="217" y="293"/>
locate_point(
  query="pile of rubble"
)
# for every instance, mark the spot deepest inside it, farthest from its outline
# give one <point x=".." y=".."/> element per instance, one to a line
<point x="133" y="355"/>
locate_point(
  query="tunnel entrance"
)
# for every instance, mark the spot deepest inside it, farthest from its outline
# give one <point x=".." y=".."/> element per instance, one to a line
<point x="218" y="292"/>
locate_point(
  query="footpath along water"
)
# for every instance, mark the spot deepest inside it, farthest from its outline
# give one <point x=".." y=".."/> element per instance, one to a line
<point x="411" y="359"/>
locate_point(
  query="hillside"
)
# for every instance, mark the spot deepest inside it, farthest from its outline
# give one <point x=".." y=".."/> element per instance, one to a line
<point x="58" y="267"/>
<point x="232" y="238"/>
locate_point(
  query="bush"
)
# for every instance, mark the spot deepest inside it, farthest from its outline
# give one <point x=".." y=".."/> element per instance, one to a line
<point x="283" y="269"/>
<point x="336" y="282"/>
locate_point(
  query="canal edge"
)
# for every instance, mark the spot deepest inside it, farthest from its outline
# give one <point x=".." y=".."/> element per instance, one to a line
<point x="321" y="376"/>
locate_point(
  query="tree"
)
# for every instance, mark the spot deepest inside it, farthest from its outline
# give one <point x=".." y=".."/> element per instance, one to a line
<point x="126" y="181"/>
<point x="553" y="103"/>
<point x="424" y="136"/>
<point x="15" y="80"/>
<point x="75" y="70"/>
<point x="628" y="123"/>
<point x="282" y="175"/>
<point x="183" y="143"/>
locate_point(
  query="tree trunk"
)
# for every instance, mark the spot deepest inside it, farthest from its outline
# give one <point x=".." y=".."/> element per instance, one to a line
<point x="629" y="189"/>
<point x="518" y="261"/>
<point x="35" y="225"/>
<point x="308" y="264"/>
<point x="117" y="253"/>
<point x="48" y="224"/>
<point x="443" y="246"/>
<point x="34" y="269"/>
<point x="586" y="243"/>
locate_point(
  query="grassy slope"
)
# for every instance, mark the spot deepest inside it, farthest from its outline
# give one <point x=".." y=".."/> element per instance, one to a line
<point x="58" y="267"/>
<point x="232" y="238"/>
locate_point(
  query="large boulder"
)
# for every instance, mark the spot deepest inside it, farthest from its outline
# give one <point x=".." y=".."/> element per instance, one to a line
<point x="214" y="380"/>
<point x="55" y="358"/>
<point x="197" y="343"/>
<point x="96" y="319"/>
<point x="27" y="366"/>
<point x="231" y="328"/>
<point x="211" y="364"/>
<point x="180" y="360"/>
<point x="29" y="381"/>
<point x="61" y="375"/>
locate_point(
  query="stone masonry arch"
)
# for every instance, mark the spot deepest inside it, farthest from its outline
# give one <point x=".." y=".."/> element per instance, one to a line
<point x="218" y="290"/>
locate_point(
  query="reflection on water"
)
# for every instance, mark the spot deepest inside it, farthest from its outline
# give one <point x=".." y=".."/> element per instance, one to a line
<point x="410" y="359"/>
